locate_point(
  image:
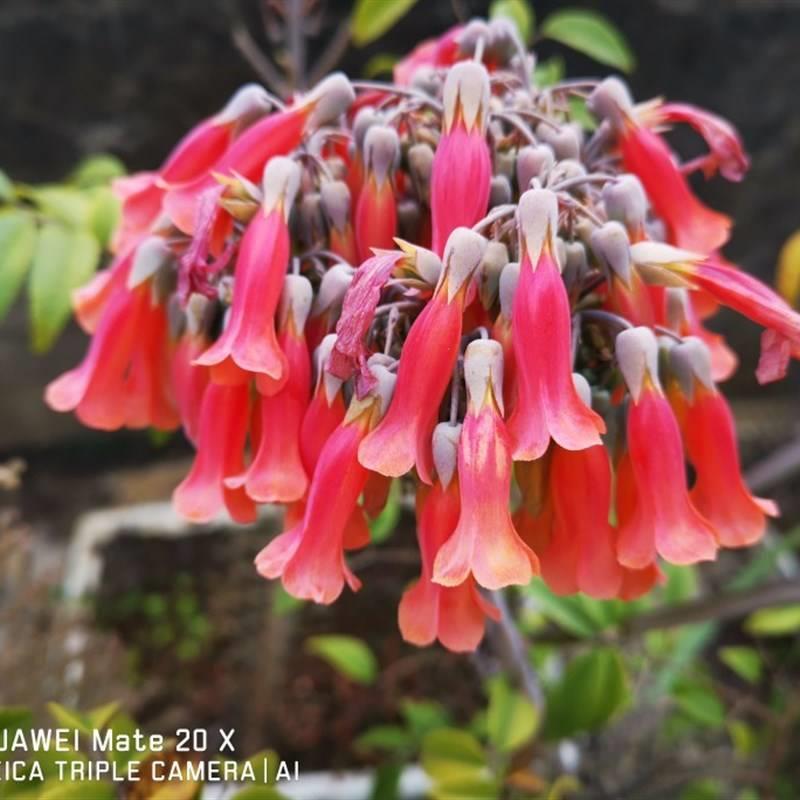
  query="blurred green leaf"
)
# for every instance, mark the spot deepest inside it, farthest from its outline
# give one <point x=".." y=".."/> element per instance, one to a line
<point x="467" y="789"/>
<point x="104" y="212"/>
<point x="548" y="72"/>
<point x="581" y="114"/>
<point x="681" y="583"/>
<point x="779" y="621"/>
<point x="97" y="170"/>
<point x="592" y="34"/>
<point x="512" y="719"/>
<point x="386" y="785"/>
<point x="593" y="689"/>
<point x="100" y="718"/>
<point x="257" y="793"/>
<point x="578" y="614"/>
<point x="63" y="203"/>
<point x="67" y="718"/>
<point x="381" y="64"/>
<point x="7" y="192"/>
<point x="383" y="526"/>
<point x="81" y="790"/>
<point x="743" y="738"/>
<point x="705" y="789"/>
<point x="423" y="716"/>
<point x="346" y="654"/>
<point x="452" y="754"/>
<point x="519" y="12"/>
<point x="13" y="718"/>
<point x="62" y="261"/>
<point x="17" y="245"/>
<point x="257" y="762"/>
<point x="390" y="739"/>
<point x="372" y="18"/>
<point x="691" y="639"/>
<point x="282" y="602"/>
<point x="744" y="661"/>
<point x="701" y="704"/>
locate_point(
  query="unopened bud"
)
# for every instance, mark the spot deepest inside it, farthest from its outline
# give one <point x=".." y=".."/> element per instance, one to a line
<point x="483" y="369"/>
<point x="310" y="222"/>
<point x="474" y="31"/>
<point x="637" y="356"/>
<point x="420" y="164"/>
<point x="576" y="264"/>
<point x="445" y="451"/>
<point x="335" y="199"/>
<point x="335" y="282"/>
<point x="247" y="104"/>
<point x="690" y="361"/>
<point x="296" y="299"/>
<point x="660" y="263"/>
<point x="533" y="161"/>
<point x="677" y="305"/>
<point x="365" y="118"/>
<point x="504" y="42"/>
<point x="611" y="100"/>
<point x="463" y="254"/>
<point x="423" y="262"/>
<point x="385" y="381"/>
<point x="612" y="248"/>
<point x="565" y="140"/>
<point x="331" y="97"/>
<point x="409" y="216"/>
<point x="499" y="191"/>
<point x="280" y="185"/>
<point x="537" y="223"/>
<point x="152" y="255"/>
<point x="509" y="278"/>
<point x="466" y="96"/>
<point x="494" y="260"/>
<point x="582" y="388"/>
<point x="330" y="383"/>
<point x="426" y="79"/>
<point x="625" y="201"/>
<point x="381" y="151"/>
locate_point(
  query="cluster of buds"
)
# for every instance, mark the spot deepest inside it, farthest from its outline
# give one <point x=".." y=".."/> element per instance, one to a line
<point x="446" y="279"/>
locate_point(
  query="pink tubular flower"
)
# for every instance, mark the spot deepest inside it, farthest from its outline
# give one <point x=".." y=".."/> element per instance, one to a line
<point x="548" y="405"/>
<point x="664" y="521"/>
<point x="326" y="410"/>
<point x="719" y="492"/>
<point x="276" y="474"/>
<point x="309" y="558"/>
<point x="403" y="438"/>
<point x="249" y="341"/>
<point x="220" y="446"/>
<point x="462" y="165"/>
<point x="376" y="211"/>
<point x="453" y="615"/>
<point x="726" y="156"/>
<point x="484" y="543"/>
<point x="690" y="223"/>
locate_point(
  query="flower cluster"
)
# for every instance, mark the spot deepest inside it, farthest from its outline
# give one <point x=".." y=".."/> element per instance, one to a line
<point x="455" y="279"/>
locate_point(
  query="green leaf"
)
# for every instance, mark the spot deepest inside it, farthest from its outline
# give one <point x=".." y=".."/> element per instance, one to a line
<point x="594" y="687"/>
<point x="7" y="191"/>
<point x="779" y="621"/>
<point x="62" y="261"/>
<point x="387" y="782"/>
<point x="63" y="203"/>
<point x="592" y="34"/>
<point x="576" y="614"/>
<point x="283" y="603"/>
<point x="704" y="789"/>
<point x="690" y="641"/>
<point x="467" y="789"/>
<point x="449" y="753"/>
<point x="66" y="718"/>
<point x="17" y="245"/>
<point x="743" y="738"/>
<point x="257" y="762"/>
<point x="372" y="18"/>
<point x="581" y="114"/>
<point x="386" y="738"/>
<point x="548" y="72"/>
<point x="681" y="583"/>
<point x="701" y="704"/>
<point x="104" y="213"/>
<point x="83" y="790"/>
<point x="423" y="716"/>
<point x="13" y="718"/>
<point x="100" y="718"/>
<point x="381" y="64"/>
<point x="744" y="661"/>
<point x="258" y="793"/>
<point x="512" y="719"/>
<point x="97" y="170"/>
<point x="382" y="527"/>
<point x="346" y="654"/>
<point x="518" y="11"/>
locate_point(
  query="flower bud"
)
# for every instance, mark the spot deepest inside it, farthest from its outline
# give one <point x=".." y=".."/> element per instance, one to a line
<point x="575" y="262"/>
<point x="330" y="382"/>
<point x="335" y="201"/>
<point x="494" y="260"/>
<point x="690" y="360"/>
<point x="463" y="254"/>
<point x="565" y="140"/>
<point x="537" y="223"/>
<point x="637" y="356"/>
<point x="365" y="119"/>
<point x="381" y="151"/>
<point x="409" y="215"/>
<point x="611" y="100"/>
<point x="151" y="256"/>
<point x="310" y="222"/>
<point x="426" y="80"/>
<point x="499" y="191"/>
<point x="420" y="164"/>
<point x="247" y="104"/>
<point x="466" y="96"/>
<point x="483" y="368"/>
<point x="445" y="451"/>
<point x="425" y="263"/>
<point x="335" y="282"/>
<point x="296" y="299"/>
<point x="625" y="201"/>
<point x="331" y="97"/>
<point x="655" y="262"/>
<point x="582" y="388"/>
<point x="509" y="278"/>
<point x="612" y="248"/>
<point x="280" y="184"/>
<point x="533" y="161"/>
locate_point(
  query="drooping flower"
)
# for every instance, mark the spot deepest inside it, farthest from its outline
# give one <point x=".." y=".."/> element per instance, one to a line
<point x="719" y="492"/>
<point x="462" y="164"/>
<point x="453" y="615"/>
<point x="376" y="211"/>
<point x="277" y="474"/>
<point x="664" y="521"/>
<point x="547" y="406"/>
<point x="222" y="431"/>
<point x="309" y="558"/>
<point x="403" y="438"/>
<point x="690" y="223"/>
<point x="249" y="341"/>
<point x="484" y="543"/>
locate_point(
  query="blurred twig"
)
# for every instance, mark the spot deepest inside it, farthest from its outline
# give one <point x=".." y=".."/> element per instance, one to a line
<point x="778" y="466"/>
